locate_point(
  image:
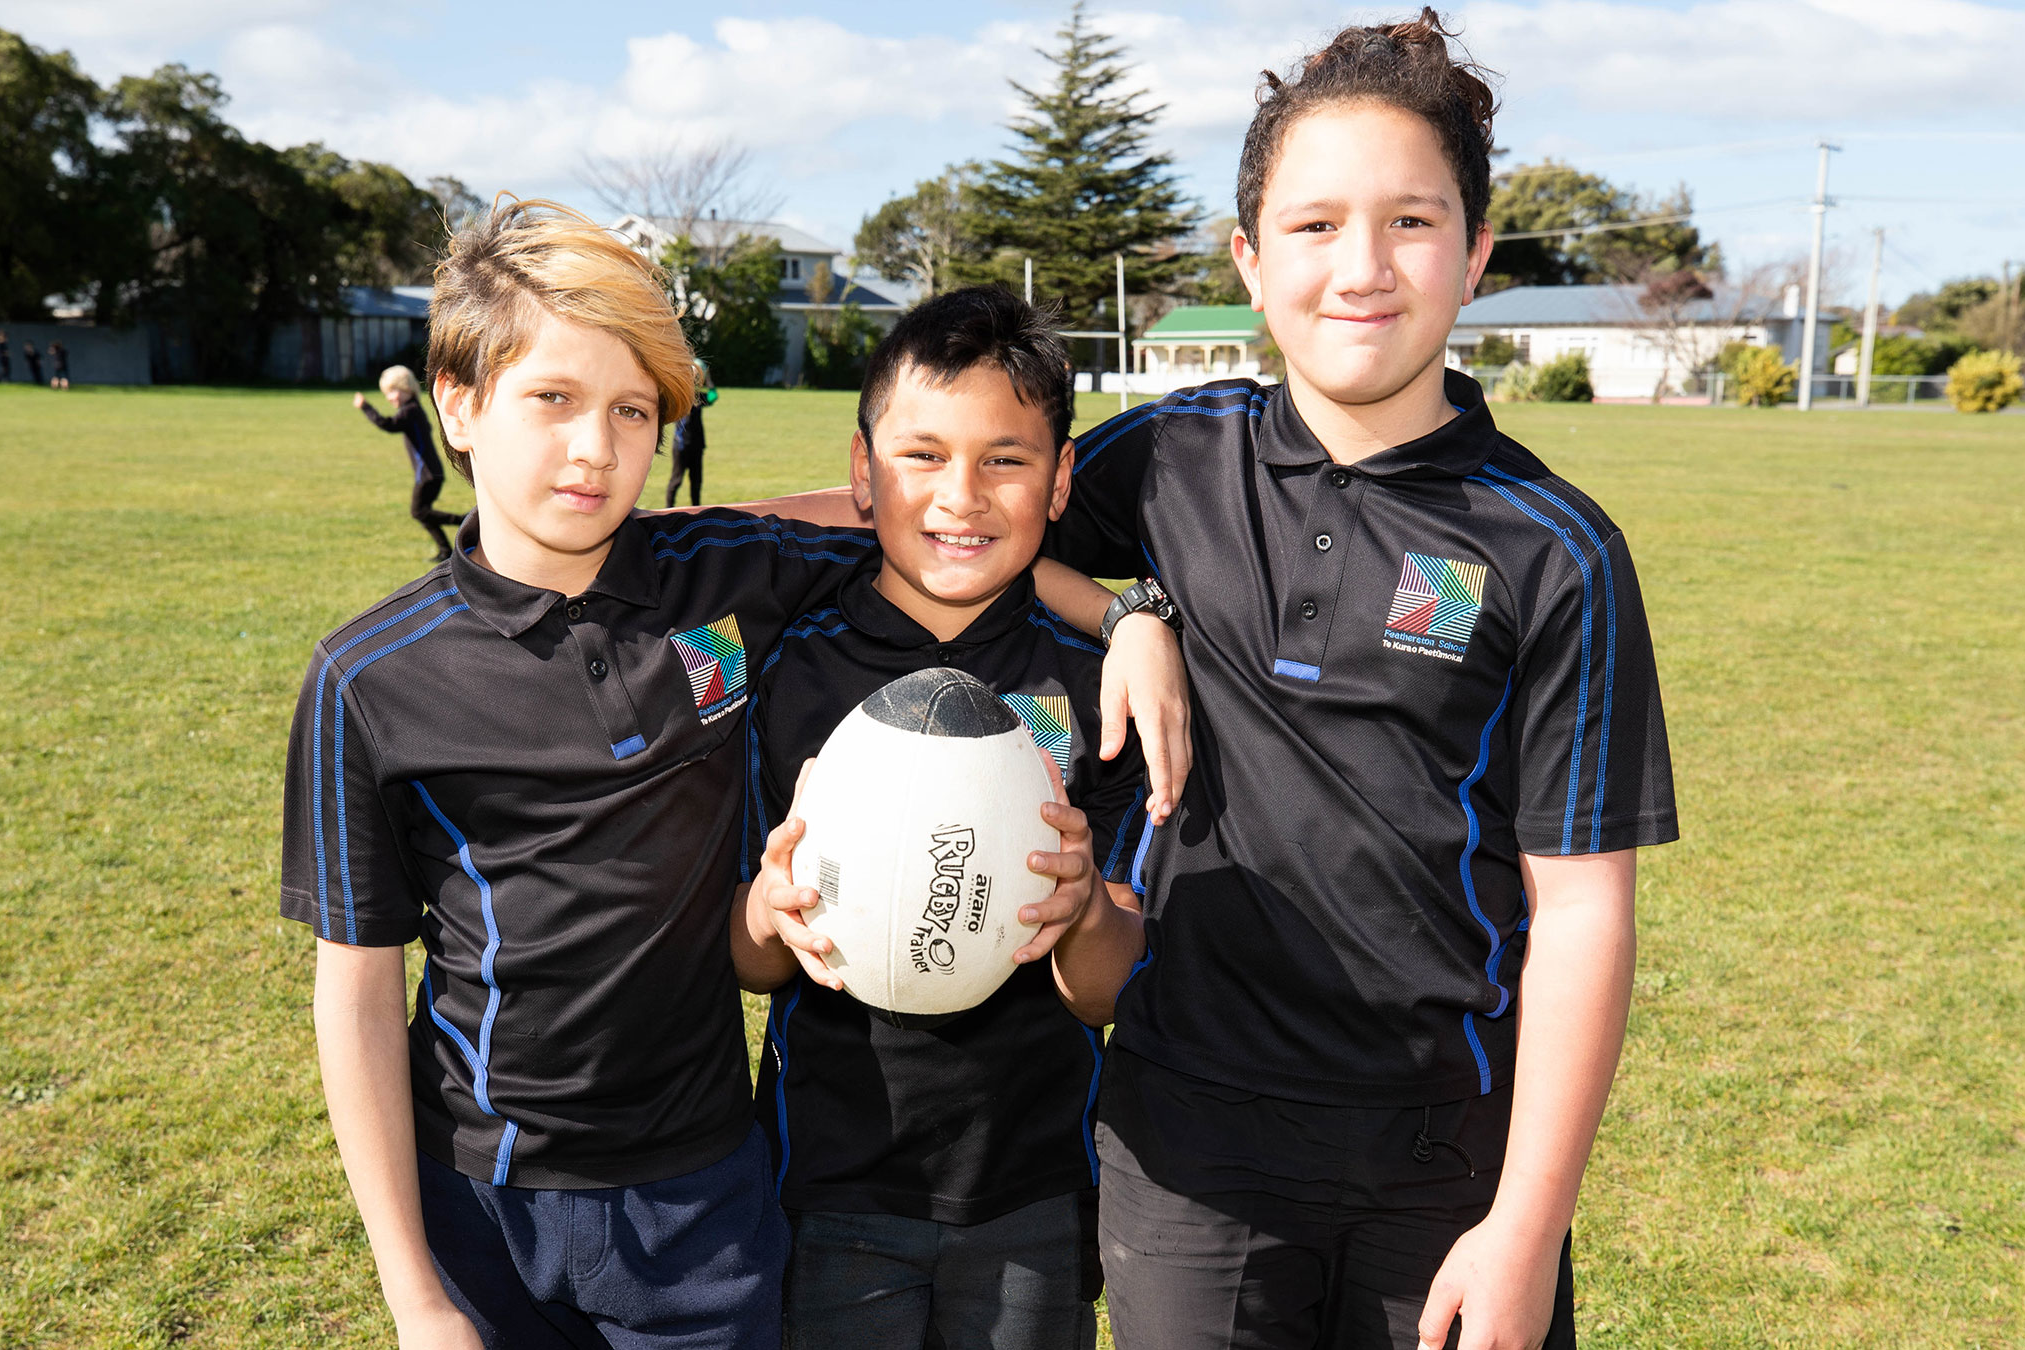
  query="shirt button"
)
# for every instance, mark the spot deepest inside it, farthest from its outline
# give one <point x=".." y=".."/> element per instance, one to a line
<point x="599" y="669"/>
<point x="1323" y="543"/>
<point x="945" y="654"/>
<point x="575" y="609"/>
<point x="1339" y="478"/>
<point x="1308" y="610"/>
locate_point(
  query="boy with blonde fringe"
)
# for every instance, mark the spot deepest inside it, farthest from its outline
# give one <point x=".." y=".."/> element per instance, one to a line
<point x="530" y="760"/>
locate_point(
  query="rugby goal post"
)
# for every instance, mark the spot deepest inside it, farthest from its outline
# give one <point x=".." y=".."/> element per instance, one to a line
<point x="1101" y="334"/>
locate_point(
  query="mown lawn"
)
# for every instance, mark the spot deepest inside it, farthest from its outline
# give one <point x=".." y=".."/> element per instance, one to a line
<point x="1819" y="1132"/>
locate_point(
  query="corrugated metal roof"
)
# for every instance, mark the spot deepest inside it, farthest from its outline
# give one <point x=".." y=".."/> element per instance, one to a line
<point x="1604" y="307"/>
<point x="1200" y="321"/>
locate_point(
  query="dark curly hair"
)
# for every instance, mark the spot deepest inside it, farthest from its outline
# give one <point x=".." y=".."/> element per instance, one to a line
<point x="1403" y="65"/>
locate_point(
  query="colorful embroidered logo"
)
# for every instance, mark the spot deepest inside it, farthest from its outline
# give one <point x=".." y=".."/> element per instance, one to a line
<point x="1435" y="609"/>
<point x="1047" y="716"/>
<point x="714" y="656"/>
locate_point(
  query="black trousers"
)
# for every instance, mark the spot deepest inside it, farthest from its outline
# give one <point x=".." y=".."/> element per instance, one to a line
<point x="688" y="462"/>
<point x="1231" y="1219"/>
<point x="422" y="506"/>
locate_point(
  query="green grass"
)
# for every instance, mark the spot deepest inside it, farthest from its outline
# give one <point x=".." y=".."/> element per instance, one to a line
<point x="1819" y="1133"/>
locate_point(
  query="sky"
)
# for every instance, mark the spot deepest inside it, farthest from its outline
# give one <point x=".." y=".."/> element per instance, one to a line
<point x="846" y="104"/>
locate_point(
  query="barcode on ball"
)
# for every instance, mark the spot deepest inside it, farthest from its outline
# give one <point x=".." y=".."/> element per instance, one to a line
<point x="827" y="873"/>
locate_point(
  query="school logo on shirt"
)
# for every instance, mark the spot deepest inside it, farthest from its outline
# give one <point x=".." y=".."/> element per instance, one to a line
<point x="714" y="656"/>
<point x="1435" y="609"/>
<point x="1047" y="717"/>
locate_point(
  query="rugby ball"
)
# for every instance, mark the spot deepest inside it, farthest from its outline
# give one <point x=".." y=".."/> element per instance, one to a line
<point x="920" y="811"/>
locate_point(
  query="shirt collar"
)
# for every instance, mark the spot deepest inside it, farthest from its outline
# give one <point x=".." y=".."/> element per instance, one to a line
<point x="872" y="614"/>
<point x="510" y="607"/>
<point x="1455" y="449"/>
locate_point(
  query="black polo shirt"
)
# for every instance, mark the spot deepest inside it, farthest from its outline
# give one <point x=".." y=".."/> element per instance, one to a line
<point x="990" y="1110"/>
<point x="547" y="791"/>
<point x="1406" y="671"/>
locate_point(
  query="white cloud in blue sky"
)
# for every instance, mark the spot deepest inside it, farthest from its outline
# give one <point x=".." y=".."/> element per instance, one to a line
<point x="847" y="104"/>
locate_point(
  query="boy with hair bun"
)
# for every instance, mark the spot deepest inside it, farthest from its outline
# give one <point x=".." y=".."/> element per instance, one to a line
<point x="1429" y="744"/>
<point x="512" y="761"/>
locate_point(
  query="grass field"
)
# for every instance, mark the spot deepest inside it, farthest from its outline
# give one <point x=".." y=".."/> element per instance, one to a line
<point x="1818" y="1137"/>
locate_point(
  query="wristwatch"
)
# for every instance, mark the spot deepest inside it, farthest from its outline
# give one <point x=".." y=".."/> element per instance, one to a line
<point x="1142" y="597"/>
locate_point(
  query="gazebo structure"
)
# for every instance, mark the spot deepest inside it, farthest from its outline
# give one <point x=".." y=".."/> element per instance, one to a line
<point x="1194" y="343"/>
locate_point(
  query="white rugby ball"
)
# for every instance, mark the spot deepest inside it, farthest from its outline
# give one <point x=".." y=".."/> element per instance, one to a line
<point x="921" y="810"/>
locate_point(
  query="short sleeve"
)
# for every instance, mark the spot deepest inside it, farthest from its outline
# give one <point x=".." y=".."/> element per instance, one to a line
<point x="344" y="871"/>
<point x="1594" y="773"/>
<point x="1098" y="533"/>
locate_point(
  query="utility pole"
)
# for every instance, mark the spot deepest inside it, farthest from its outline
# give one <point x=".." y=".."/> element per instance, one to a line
<point x="1123" y="367"/>
<point x="1869" y="326"/>
<point x="1030" y="281"/>
<point x="1820" y="209"/>
<point x="2010" y="305"/>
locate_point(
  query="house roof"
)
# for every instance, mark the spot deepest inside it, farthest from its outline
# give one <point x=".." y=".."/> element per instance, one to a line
<point x="1605" y="307"/>
<point x="842" y="292"/>
<point x="1195" y="322"/>
<point x="374" y="302"/>
<point x="712" y="232"/>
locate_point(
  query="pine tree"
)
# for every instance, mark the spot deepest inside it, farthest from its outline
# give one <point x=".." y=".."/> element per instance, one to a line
<point x="1082" y="188"/>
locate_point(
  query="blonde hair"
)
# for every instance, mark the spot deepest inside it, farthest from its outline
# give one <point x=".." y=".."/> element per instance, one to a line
<point x="400" y="379"/>
<point x="533" y="256"/>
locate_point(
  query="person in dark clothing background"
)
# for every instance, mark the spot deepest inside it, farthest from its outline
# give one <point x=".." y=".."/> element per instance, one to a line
<point x="59" y="360"/>
<point x="688" y="445"/>
<point x="34" y="360"/>
<point x="6" y="361"/>
<point x="398" y="384"/>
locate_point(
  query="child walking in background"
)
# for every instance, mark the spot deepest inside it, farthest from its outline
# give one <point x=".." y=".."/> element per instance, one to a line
<point x="688" y="445"/>
<point x="59" y="359"/>
<point x="397" y="383"/>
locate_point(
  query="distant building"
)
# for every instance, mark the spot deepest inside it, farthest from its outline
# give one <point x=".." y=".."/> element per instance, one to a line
<point x="801" y="253"/>
<point x="1195" y="343"/>
<point x="1627" y="347"/>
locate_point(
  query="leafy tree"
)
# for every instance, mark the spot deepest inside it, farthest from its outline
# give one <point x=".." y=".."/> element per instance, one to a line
<point x="385" y="230"/>
<point x="51" y="178"/>
<point x="1940" y="311"/>
<point x="921" y="236"/>
<point x="1918" y="356"/>
<point x="727" y="307"/>
<point x="1495" y="350"/>
<point x="1556" y="196"/>
<point x="456" y="205"/>
<point x="1081" y="187"/>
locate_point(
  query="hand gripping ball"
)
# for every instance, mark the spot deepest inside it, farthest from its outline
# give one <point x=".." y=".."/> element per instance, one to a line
<point x="921" y="811"/>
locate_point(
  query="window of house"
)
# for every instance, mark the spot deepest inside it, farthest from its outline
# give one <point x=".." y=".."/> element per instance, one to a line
<point x="791" y="269"/>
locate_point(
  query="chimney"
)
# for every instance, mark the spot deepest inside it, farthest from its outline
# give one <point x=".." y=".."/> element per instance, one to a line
<point x="1790" y="301"/>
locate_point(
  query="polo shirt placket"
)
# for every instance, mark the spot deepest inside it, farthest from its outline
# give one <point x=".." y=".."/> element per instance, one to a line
<point x="1407" y="670"/>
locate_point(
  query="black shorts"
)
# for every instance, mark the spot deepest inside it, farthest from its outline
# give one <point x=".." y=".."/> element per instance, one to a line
<point x="1230" y="1218"/>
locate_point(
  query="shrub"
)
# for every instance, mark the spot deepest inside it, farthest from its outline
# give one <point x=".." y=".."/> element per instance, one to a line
<point x="1985" y="381"/>
<point x="1730" y="360"/>
<point x="1918" y="356"/>
<point x="1515" y="386"/>
<point x="839" y="344"/>
<point x="1495" y="351"/>
<point x="1565" y="379"/>
<point x="1763" y="380"/>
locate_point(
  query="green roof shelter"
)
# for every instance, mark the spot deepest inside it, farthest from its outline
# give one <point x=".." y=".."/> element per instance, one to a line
<point x="1193" y="343"/>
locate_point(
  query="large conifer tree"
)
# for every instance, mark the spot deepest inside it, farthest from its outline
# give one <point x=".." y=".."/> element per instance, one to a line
<point x="1081" y="188"/>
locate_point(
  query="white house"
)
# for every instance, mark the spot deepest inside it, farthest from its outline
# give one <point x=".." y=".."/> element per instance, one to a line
<point x="1192" y="344"/>
<point x="882" y="301"/>
<point x="1631" y="354"/>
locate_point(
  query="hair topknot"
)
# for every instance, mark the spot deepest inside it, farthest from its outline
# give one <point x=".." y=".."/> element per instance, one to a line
<point x="1405" y="65"/>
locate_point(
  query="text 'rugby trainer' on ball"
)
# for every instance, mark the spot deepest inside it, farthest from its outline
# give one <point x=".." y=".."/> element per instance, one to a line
<point x="921" y="811"/>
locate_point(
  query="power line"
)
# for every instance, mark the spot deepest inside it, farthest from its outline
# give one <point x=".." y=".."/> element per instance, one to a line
<point x="1573" y="230"/>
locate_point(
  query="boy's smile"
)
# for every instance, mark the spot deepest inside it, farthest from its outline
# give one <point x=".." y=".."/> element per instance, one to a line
<point x="559" y="452"/>
<point x="962" y="479"/>
<point x="1361" y="266"/>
